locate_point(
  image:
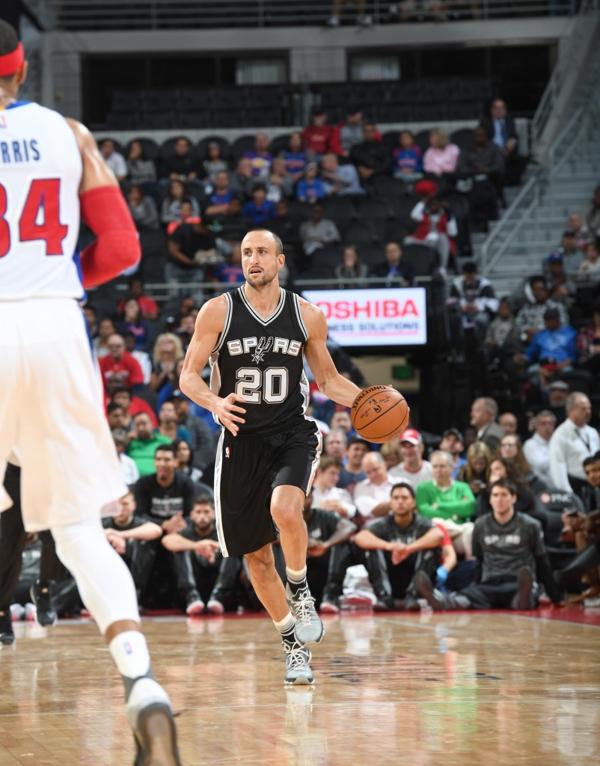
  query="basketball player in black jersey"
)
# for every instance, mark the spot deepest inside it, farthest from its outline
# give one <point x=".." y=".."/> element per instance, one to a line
<point x="256" y="338"/>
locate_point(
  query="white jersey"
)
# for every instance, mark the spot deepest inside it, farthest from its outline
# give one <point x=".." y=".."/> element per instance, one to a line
<point x="40" y="174"/>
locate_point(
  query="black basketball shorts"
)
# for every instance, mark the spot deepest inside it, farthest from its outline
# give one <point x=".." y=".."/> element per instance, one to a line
<point x="247" y="469"/>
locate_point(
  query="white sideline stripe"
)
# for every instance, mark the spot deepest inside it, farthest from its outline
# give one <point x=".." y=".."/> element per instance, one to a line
<point x="217" y="491"/>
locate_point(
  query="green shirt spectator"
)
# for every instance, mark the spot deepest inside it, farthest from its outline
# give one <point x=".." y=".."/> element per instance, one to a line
<point x="443" y="497"/>
<point x="144" y="443"/>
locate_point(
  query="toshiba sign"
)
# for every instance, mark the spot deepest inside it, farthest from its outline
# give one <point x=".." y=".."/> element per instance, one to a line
<point x="387" y="317"/>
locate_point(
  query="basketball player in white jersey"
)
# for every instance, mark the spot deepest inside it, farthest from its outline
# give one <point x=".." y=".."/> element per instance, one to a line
<point x="51" y="415"/>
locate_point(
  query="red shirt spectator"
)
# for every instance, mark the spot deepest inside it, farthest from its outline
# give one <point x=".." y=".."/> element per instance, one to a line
<point x="132" y="406"/>
<point x="119" y="368"/>
<point x="318" y="135"/>
<point x="148" y="306"/>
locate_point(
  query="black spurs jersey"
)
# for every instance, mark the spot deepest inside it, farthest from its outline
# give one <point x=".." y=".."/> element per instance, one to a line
<point x="262" y="361"/>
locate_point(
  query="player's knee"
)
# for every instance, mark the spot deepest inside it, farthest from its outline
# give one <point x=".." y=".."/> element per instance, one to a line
<point x="260" y="563"/>
<point x="286" y="518"/>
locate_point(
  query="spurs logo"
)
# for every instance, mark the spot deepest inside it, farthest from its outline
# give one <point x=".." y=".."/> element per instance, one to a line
<point x="263" y="345"/>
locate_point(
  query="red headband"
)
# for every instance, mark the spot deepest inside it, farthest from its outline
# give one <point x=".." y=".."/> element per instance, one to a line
<point x="10" y="63"/>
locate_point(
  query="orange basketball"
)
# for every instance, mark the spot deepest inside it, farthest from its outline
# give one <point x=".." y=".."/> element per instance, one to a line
<point x="379" y="413"/>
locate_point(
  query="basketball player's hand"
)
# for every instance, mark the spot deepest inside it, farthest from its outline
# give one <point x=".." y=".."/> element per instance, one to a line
<point x="208" y="549"/>
<point x="228" y="413"/>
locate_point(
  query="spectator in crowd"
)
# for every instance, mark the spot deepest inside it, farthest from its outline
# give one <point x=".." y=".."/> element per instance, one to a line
<point x="410" y="9"/>
<point x="219" y="199"/>
<point x="588" y="343"/>
<point x="116" y="418"/>
<point x="558" y="393"/>
<point x="198" y="561"/>
<point x="448" y="502"/>
<point x="165" y="496"/>
<point x="593" y="217"/>
<point x="589" y="268"/>
<point x="148" y="305"/>
<point x="530" y="318"/>
<point x="570" y="252"/>
<point x="351" y="267"/>
<point x="317" y="231"/>
<point x="171" y="208"/>
<point x="318" y="136"/>
<point x="500" y="128"/>
<point x="202" y="441"/>
<point x="454" y="442"/>
<point x="509" y="548"/>
<point x="280" y="184"/>
<point x="258" y="211"/>
<point x="134" y="537"/>
<point x="190" y="248"/>
<point x="144" y="444"/>
<point x="474" y="298"/>
<point x="336" y="443"/>
<point x="185" y="461"/>
<point x="168" y="425"/>
<point x="508" y="423"/>
<point x="260" y="157"/>
<point x="339" y="179"/>
<point x="310" y="187"/>
<point x="576" y="223"/>
<point x="181" y="164"/>
<point x="348" y="133"/>
<point x="230" y="271"/>
<point x="561" y="287"/>
<point x="134" y="323"/>
<point x="214" y="162"/>
<point x="326" y="531"/>
<point x="372" y="495"/>
<point x="326" y="494"/>
<point x="352" y="471"/>
<point x="436" y="227"/>
<point x="511" y="451"/>
<point x="481" y="168"/>
<point x="484" y="412"/>
<point x="140" y="169"/>
<point x="132" y="405"/>
<point x="442" y="156"/>
<point x="591" y="491"/>
<point x="118" y="368"/>
<point x="552" y="350"/>
<point x="242" y="180"/>
<point x="362" y="19"/>
<point x="393" y="269"/>
<point x="390" y="452"/>
<point x="114" y="159"/>
<point x="142" y="208"/>
<point x="186" y="215"/>
<point x="406" y="541"/>
<point x="168" y="350"/>
<point x="502" y="336"/>
<point x="499" y="468"/>
<point x="413" y="469"/>
<point x="294" y="157"/>
<point x="141" y="357"/>
<point x="370" y="156"/>
<point x="537" y="449"/>
<point x="407" y="158"/>
<point x="571" y="443"/>
<point x="341" y="420"/>
<point x="475" y="470"/>
<point x="106" y="328"/>
<point x="129" y="470"/>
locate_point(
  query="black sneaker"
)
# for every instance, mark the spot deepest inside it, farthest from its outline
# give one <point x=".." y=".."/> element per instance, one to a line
<point x="7" y="635"/>
<point x="40" y="595"/>
<point x="523" y="600"/>
<point x="384" y="604"/>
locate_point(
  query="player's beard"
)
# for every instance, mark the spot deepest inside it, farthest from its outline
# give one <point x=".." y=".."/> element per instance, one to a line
<point x="260" y="280"/>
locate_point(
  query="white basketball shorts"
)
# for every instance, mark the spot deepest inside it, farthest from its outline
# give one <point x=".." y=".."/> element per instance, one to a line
<point x="52" y="416"/>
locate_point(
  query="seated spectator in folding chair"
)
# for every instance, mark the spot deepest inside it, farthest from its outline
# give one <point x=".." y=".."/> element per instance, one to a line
<point x="214" y="162"/>
<point x="259" y="210"/>
<point x="206" y="580"/>
<point x="134" y="537"/>
<point x="552" y="350"/>
<point x="340" y="180"/>
<point x="317" y="231"/>
<point x="260" y="157"/>
<point x="472" y="300"/>
<point x="400" y="544"/>
<point x="295" y="157"/>
<point x="317" y="137"/>
<point x="502" y="339"/>
<point x="407" y="158"/>
<point x="500" y="128"/>
<point x="441" y="159"/>
<point x="310" y="188"/>
<point x="181" y="164"/>
<point x="351" y="268"/>
<point x="511" y="557"/>
<point x="397" y="272"/>
<point x="480" y="169"/>
<point x="437" y="228"/>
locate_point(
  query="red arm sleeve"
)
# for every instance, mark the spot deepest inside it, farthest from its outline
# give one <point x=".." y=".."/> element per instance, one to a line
<point x="117" y="245"/>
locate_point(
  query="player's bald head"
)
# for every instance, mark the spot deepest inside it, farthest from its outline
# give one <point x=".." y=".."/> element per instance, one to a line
<point x="257" y="234"/>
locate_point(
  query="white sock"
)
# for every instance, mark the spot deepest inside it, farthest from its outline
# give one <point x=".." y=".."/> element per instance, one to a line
<point x="286" y="625"/>
<point x="295" y="575"/>
<point x="130" y="653"/>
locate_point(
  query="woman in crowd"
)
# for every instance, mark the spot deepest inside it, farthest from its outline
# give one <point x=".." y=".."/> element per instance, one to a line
<point x="390" y="452"/>
<point x="501" y="469"/>
<point x="185" y="458"/>
<point x="442" y="156"/>
<point x="214" y="162"/>
<point x="133" y="322"/>
<point x="511" y="449"/>
<point x="140" y="169"/>
<point x="351" y="266"/>
<point x="476" y="469"/>
<point x="171" y="206"/>
<point x="294" y="157"/>
<point x="168" y="350"/>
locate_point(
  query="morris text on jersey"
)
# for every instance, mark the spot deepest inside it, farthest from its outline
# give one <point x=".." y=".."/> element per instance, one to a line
<point x="16" y="152"/>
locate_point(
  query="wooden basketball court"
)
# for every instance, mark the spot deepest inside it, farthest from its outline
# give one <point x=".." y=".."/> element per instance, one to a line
<point x="426" y="690"/>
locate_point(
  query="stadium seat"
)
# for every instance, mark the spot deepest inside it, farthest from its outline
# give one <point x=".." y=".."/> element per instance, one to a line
<point x="279" y="144"/>
<point x="341" y="210"/>
<point x="360" y="233"/>
<point x="243" y="144"/>
<point x="422" y="140"/>
<point x="374" y="209"/>
<point x="422" y="259"/>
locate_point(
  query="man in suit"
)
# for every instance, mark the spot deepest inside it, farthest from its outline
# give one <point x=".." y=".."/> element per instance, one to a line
<point x="500" y="128"/>
<point x="484" y="412"/>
